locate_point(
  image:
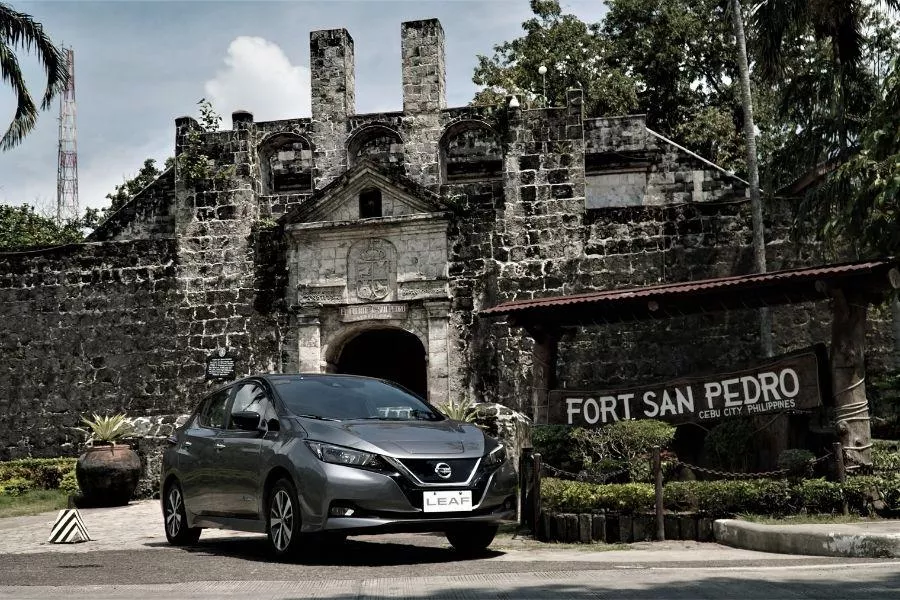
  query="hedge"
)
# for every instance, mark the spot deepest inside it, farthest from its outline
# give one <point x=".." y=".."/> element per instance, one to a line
<point x="18" y="476"/>
<point x="723" y="498"/>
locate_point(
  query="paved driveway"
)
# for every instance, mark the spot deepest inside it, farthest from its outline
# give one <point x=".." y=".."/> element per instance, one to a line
<point x="129" y="558"/>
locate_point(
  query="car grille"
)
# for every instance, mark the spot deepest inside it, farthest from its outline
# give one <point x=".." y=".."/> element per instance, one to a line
<point x="424" y="469"/>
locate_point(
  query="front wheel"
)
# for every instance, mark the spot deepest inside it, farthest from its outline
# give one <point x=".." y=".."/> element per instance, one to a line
<point x="177" y="531"/>
<point x="283" y="517"/>
<point x="472" y="538"/>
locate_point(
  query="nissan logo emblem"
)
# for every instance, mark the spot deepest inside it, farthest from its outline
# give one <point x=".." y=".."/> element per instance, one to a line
<point x="443" y="470"/>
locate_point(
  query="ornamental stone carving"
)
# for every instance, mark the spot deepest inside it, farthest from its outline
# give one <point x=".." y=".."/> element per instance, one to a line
<point x="372" y="269"/>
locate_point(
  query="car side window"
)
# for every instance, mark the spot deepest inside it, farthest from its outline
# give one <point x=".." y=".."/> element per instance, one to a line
<point x="213" y="414"/>
<point x="252" y="397"/>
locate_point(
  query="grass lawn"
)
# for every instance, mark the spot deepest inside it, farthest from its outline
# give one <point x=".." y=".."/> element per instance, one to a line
<point x="807" y="519"/>
<point x="32" y="503"/>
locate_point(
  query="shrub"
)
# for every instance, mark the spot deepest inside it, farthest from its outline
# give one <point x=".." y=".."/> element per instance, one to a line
<point x="886" y="454"/>
<point x="797" y="462"/>
<point x="623" y="444"/>
<point x="729" y="445"/>
<point x="15" y="486"/>
<point x="724" y="498"/>
<point x="463" y="410"/>
<point x="556" y="447"/>
<point x="69" y="483"/>
<point x="41" y="473"/>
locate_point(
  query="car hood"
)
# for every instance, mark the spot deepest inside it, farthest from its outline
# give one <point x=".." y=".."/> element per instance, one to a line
<point x="403" y="438"/>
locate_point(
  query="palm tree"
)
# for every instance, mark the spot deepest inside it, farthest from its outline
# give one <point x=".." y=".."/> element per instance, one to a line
<point x="838" y="22"/>
<point x="759" y="242"/>
<point x="18" y="30"/>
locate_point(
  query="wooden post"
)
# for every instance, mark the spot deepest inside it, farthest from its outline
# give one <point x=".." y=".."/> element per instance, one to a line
<point x="543" y="369"/>
<point x="848" y="346"/>
<point x="841" y="472"/>
<point x="536" y="494"/>
<point x="657" y="477"/>
<point x="525" y="463"/>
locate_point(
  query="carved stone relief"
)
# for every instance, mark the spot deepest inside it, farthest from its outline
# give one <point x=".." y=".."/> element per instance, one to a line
<point x="372" y="269"/>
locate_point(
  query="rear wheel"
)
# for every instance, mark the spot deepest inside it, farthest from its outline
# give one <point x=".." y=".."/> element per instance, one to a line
<point x="177" y="531"/>
<point x="471" y="538"/>
<point x="283" y="519"/>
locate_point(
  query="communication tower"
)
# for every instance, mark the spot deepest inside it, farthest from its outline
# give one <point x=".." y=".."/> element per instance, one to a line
<point x="67" y="172"/>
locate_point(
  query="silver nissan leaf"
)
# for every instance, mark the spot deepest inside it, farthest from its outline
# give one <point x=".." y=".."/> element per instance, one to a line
<point x="313" y="458"/>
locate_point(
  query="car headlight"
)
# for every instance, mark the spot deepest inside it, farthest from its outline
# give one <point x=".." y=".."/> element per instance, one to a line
<point x="495" y="457"/>
<point x="339" y="455"/>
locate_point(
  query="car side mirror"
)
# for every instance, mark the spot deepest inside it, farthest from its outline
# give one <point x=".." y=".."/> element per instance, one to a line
<point x="246" y="420"/>
<point x="273" y="424"/>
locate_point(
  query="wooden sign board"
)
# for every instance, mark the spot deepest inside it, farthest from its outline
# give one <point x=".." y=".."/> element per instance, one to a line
<point x="794" y="381"/>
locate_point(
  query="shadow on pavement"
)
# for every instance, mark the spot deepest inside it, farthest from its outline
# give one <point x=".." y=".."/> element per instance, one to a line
<point x="351" y="553"/>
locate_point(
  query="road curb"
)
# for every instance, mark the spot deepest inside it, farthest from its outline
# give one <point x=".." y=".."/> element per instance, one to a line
<point x="794" y="540"/>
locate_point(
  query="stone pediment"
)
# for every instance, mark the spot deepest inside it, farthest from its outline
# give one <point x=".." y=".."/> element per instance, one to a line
<point x="339" y="200"/>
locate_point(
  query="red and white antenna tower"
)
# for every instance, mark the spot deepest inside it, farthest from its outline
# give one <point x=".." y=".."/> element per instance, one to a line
<point x="67" y="173"/>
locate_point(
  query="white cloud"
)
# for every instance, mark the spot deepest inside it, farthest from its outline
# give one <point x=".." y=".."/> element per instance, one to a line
<point x="258" y="77"/>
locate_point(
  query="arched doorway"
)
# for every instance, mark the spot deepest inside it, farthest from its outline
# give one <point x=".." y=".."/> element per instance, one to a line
<point x="391" y="354"/>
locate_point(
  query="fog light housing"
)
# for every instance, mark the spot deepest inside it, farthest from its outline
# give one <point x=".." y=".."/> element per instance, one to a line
<point x="341" y="511"/>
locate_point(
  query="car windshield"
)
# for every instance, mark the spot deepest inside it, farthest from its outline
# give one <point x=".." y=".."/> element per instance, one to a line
<point x="351" y="398"/>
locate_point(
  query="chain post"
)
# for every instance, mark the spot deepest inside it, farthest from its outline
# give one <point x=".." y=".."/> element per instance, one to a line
<point x="841" y="472"/>
<point x="657" y="477"/>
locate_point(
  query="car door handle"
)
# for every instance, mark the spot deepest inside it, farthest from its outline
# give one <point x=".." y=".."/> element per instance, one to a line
<point x="219" y="445"/>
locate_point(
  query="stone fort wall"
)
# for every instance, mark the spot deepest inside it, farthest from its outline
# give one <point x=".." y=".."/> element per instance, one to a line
<point x="542" y="202"/>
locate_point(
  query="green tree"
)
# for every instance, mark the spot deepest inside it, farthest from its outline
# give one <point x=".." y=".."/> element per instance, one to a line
<point x="20" y="31"/>
<point x="822" y="106"/>
<point x="682" y="58"/>
<point x="130" y="187"/>
<point x="574" y="56"/>
<point x="859" y="203"/>
<point x="22" y="228"/>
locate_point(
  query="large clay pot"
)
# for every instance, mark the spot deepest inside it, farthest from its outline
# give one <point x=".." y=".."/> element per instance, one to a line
<point x="108" y="474"/>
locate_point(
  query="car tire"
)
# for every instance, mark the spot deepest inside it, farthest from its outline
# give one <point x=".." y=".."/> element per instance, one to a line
<point x="283" y="519"/>
<point x="175" y="518"/>
<point x="471" y="538"/>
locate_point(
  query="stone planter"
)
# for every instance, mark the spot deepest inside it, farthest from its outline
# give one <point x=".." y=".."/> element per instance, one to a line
<point x="107" y="475"/>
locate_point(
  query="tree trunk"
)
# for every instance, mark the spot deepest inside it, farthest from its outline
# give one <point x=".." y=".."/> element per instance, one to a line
<point x="895" y="312"/>
<point x="848" y="348"/>
<point x="759" y="242"/>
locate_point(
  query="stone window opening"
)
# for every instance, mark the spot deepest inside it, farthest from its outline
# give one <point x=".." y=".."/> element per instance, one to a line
<point x="470" y="151"/>
<point x="370" y="203"/>
<point x="378" y="143"/>
<point x="286" y="164"/>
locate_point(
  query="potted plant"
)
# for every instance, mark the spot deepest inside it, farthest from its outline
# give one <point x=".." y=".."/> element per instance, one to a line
<point x="107" y="471"/>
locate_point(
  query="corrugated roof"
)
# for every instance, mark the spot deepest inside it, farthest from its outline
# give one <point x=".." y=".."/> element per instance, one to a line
<point x="792" y="285"/>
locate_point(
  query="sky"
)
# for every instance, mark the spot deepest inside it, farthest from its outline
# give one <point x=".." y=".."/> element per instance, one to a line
<point x="141" y="64"/>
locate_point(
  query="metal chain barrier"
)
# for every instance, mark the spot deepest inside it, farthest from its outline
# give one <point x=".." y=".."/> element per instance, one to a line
<point x="586" y="477"/>
<point x="554" y="471"/>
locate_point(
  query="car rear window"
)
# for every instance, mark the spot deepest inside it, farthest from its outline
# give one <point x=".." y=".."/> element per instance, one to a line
<point x="351" y="398"/>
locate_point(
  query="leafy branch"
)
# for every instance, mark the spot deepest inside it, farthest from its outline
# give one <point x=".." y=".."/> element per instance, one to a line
<point x="195" y="167"/>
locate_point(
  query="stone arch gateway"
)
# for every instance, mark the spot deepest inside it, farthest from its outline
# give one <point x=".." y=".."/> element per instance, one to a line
<point x="387" y="353"/>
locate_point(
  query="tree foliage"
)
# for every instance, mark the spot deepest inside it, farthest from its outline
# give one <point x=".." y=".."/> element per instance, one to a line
<point x="672" y="60"/>
<point x="22" y="228"/>
<point x="575" y="56"/>
<point x="130" y="187"/>
<point x="19" y="31"/>
<point x="859" y="203"/>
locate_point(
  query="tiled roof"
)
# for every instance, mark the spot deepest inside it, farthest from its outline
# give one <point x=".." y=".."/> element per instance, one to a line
<point x="740" y="291"/>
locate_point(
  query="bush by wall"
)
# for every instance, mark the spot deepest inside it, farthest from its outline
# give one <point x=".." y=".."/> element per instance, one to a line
<point x="725" y="498"/>
<point x="18" y="476"/>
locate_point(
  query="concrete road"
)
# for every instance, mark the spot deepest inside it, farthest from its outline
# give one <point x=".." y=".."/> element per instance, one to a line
<point x="130" y="559"/>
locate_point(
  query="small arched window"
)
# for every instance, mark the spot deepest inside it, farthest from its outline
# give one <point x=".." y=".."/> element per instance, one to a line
<point x="370" y="203"/>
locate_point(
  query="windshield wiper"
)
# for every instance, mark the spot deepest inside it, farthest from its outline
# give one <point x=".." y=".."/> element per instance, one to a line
<point x="317" y="417"/>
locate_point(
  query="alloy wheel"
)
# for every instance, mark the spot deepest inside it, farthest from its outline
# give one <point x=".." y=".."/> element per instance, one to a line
<point x="281" y="520"/>
<point x="174" y="508"/>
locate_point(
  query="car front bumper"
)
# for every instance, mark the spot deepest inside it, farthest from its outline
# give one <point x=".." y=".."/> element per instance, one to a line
<point x="381" y="503"/>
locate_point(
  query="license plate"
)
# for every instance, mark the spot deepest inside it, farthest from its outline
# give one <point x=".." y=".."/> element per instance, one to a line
<point x="455" y="501"/>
